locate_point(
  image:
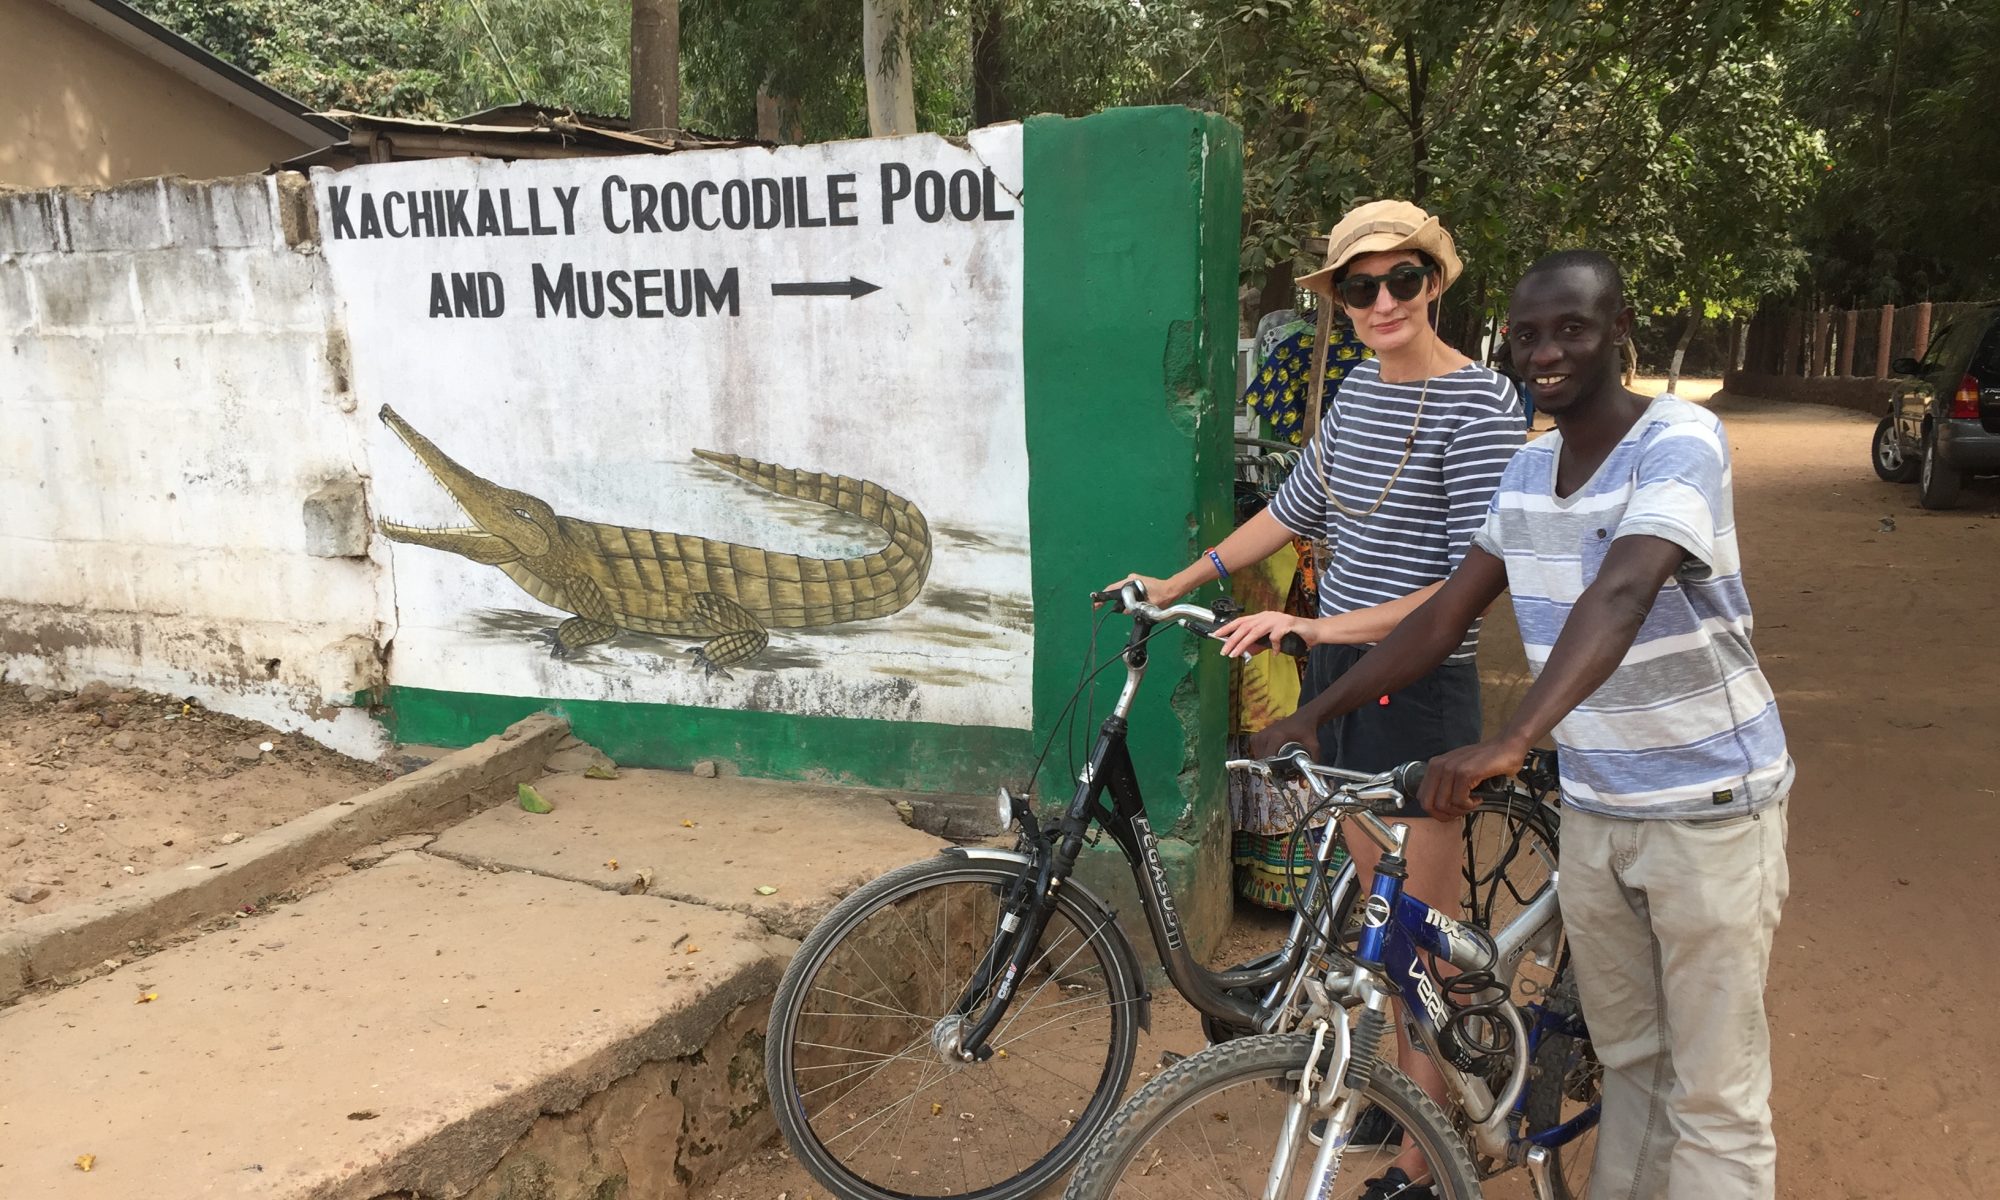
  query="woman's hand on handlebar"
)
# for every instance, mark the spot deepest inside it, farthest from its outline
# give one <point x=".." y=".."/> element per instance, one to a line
<point x="1158" y="591"/>
<point x="1276" y="736"/>
<point x="1262" y="631"/>
<point x="1449" y="783"/>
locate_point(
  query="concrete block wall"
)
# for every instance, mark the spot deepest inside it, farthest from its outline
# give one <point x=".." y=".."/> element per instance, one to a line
<point x="173" y="390"/>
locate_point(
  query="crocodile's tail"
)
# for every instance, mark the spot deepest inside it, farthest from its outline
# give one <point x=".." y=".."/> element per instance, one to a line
<point x="841" y="589"/>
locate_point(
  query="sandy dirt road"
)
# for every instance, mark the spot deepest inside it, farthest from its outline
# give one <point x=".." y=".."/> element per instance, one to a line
<point x="1875" y="624"/>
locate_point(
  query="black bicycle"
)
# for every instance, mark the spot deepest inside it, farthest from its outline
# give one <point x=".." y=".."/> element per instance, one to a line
<point x="963" y="1026"/>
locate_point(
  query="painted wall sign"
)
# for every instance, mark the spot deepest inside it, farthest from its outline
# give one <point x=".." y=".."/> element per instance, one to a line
<point x="737" y="429"/>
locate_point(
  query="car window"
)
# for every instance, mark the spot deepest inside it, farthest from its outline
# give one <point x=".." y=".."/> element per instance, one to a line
<point x="1986" y="363"/>
<point x="1940" y="348"/>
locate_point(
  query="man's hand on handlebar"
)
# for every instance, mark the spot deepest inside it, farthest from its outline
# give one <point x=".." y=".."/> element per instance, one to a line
<point x="1448" y="784"/>
<point x="1264" y="631"/>
<point x="1272" y="738"/>
<point x="1158" y="591"/>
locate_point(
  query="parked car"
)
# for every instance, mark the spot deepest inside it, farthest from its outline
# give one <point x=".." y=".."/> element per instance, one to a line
<point x="1943" y="421"/>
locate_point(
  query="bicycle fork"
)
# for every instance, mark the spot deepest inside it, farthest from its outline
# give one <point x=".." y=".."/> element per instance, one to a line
<point x="1335" y="1094"/>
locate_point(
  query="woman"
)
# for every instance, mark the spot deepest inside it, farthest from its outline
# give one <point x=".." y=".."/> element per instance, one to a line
<point x="1392" y="488"/>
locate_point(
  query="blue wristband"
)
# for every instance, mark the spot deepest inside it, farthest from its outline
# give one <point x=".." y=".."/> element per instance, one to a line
<point x="1221" y="572"/>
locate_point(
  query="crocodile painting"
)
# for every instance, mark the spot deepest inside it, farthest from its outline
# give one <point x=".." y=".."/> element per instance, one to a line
<point x="616" y="578"/>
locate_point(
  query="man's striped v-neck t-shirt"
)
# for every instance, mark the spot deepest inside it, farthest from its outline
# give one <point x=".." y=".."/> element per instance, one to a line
<point x="1469" y="427"/>
<point x="1687" y="727"/>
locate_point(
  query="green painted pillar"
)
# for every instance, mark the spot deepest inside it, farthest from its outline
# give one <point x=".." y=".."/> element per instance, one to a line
<point x="1133" y="220"/>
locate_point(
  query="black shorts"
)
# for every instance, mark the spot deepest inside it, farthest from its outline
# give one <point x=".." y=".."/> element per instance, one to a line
<point x="1437" y="713"/>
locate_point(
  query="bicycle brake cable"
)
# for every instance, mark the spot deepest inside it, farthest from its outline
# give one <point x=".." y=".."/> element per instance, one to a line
<point x="1069" y="708"/>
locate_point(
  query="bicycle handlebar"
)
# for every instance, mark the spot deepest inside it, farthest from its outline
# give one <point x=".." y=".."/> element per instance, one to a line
<point x="1130" y="597"/>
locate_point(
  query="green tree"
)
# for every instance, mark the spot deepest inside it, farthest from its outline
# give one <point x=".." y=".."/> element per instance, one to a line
<point x="1906" y="91"/>
<point x="385" y="56"/>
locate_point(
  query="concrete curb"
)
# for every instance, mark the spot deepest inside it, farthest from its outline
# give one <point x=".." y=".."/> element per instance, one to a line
<point x="455" y="786"/>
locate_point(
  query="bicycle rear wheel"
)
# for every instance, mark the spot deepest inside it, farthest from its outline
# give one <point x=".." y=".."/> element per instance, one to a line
<point x="859" y="1061"/>
<point x="1209" y="1127"/>
<point x="1566" y="1085"/>
<point x="1510" y="856"/>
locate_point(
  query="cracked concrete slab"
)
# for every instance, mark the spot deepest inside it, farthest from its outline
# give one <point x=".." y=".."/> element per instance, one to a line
<point x="708" y="841"/>
<point x="398" y="1031"/>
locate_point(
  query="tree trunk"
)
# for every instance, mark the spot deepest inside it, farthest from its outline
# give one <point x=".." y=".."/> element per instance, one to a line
<point x="1680" y="347"/>
<point x="1278" y="292"/>
<point x="656" y="67"/>
<point x="778" y="119"/>
<point x="989" y="67"/>
<point x="1417" y="75"/>
<point x="885" y="61"/>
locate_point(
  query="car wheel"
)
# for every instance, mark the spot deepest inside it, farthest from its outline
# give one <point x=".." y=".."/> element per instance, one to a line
<point x="1937" y="482"/>
<point x="1887" y="452"/>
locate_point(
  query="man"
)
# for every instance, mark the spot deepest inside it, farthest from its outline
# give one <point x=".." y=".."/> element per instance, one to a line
<point x="1617" y="536"/>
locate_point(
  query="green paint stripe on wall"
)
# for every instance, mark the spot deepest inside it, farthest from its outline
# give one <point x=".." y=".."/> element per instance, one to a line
<point x="1129" y="331"/>
<point x="913" y="756"/>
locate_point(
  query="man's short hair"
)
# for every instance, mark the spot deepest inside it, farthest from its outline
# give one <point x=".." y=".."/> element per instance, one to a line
<point x="1596" y="262"/>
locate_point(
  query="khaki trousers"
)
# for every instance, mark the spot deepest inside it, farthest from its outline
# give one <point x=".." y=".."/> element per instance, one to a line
<point x="1669" y="926"/>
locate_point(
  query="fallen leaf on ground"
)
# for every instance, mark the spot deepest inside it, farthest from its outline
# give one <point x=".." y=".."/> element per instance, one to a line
<point x="85" y="1162"/>
<point x="936" y="1108"/>
<point x="686" y="824"/>
<point x="599" y="771"/>
<point x="611" y="863"/>
<point x="694" y="950"/>
<point x="766" y="889"/>
<point x="531" y="800"/>
<point x="364" y="1115"/>
<point x="147" y="998"/>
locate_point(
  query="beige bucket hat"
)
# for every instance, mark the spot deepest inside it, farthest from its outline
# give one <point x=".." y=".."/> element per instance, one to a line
<point x="1384" y="225"/>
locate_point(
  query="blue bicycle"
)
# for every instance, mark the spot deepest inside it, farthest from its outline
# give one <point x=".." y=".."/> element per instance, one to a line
<point x="1283" y="1108"/>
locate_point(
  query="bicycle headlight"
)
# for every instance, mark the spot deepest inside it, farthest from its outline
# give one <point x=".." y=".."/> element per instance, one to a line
<point x="1005" y="808"/>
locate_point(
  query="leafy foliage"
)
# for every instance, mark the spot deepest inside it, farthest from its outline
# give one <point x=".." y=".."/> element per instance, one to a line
<point x="1724" y="150"/>
<point x="1906" y="91"/>
<point x="388" y="56"/>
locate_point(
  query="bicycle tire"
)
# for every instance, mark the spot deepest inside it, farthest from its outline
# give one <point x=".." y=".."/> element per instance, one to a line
<point x="1565" y="1078"/>
<point x="995" y="1117"/>
<point x="1275" y="1062"/>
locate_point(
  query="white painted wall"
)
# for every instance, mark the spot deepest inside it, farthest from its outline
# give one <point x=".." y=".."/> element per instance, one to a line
<point x="170" y="395"/>
<point x="917" y="386"/>
<point x="182" y="368"/>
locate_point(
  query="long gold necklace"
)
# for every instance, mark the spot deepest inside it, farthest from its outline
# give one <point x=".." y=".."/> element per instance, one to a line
<point x="1409" y="447"/>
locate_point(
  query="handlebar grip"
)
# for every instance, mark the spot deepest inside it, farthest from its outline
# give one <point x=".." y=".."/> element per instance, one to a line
<point x="1293" y="645"/>
<point x="1410" y="781"/>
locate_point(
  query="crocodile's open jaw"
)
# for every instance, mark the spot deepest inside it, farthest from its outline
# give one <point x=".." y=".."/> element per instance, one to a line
<point x="496" y="512"/>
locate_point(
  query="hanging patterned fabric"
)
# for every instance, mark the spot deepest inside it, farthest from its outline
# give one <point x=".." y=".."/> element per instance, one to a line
<point x="1267" y="687"/>
<point x="1277" y="390"/>
<point x="1271" y="865"/>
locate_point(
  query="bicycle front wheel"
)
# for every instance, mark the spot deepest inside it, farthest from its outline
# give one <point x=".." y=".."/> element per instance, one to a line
<point x="1209" y="1126"/>
<point x="860" y="1059"/>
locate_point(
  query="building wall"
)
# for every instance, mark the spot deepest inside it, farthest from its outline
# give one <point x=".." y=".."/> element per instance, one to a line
<point x="79" y="108"/>
<point x="193" y="374"/>
<point x="171" y="394"/>
<point x="192" y="468"/>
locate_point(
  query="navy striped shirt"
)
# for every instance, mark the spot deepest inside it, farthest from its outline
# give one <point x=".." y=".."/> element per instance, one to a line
<point x="1471" y="424"/>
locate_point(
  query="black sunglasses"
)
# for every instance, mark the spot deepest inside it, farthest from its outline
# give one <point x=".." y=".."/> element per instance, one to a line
<point x="1405" y="280"/>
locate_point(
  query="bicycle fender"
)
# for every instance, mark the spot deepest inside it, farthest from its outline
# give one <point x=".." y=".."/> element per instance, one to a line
<point x="1123" y="958"/>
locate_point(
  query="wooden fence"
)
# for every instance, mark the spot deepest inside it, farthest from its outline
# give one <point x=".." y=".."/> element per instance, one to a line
<point x="1842" y="343"/>
<point x="1842" y="357"/>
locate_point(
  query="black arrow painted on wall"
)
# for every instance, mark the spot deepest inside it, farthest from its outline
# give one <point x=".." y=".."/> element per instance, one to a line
<point x="851" y="289"/>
